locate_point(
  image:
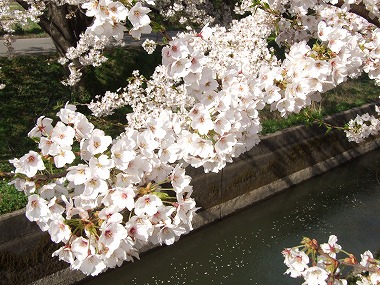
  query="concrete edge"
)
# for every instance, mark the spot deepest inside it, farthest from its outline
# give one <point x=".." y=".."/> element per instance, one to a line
<point x="265" y="192"/>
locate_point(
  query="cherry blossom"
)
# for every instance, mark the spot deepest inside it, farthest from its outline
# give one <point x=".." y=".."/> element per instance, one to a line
<point x="315" y="276"/>
<point x="326" y="266"/>
<point x="331" y="248"/>
<point x="29" y="164"/>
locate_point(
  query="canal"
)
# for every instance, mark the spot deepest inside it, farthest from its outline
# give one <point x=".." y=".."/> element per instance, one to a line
<point x="246" y="248"/>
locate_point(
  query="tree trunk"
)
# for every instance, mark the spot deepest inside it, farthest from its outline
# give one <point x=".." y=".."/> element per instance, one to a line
<point x="64" y="24"/>
<point x="63" y="30"/>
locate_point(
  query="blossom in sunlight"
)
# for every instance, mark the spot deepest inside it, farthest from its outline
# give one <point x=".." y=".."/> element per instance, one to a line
<point x="136" y="32"/>
<point x="43" y="127"/>
<point x="147" y="204"/>
<point x="138" y="15"/>
<point x="62" y="134"/>
<point x="64" y="156"/>
<point x="315" y="276"/>
<point x="29" y="164"/>
<point x="167" y="234"/>
<point x="331" y="248"/>
<point x="296" y="260"/>
<point x="102" y="187"/>
<point x="111" y="236"/>
<point x="36" y="208"/>
<point x="98" y="142"/>
<point x="361" y="127"/>
<point x="91" y="265"/>
<point x="59" y="231"/>
<point x="149" y="46"/>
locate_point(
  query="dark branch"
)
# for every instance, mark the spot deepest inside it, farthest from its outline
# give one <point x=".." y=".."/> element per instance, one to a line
<point x="39" y="177"/>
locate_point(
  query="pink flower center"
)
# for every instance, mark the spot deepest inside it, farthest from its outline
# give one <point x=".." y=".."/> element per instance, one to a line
<point x="31" y="159"/>
<point x="108" y="233"/>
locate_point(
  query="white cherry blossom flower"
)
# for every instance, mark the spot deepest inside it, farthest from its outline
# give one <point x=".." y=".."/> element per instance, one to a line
<point x="36" y="208"/>
<point x="138" y="15"/>
<point x="67" y="114"/>
<point x="179" y="179"/>
<point x="92" y="265"/>
<point x="64" y="253"/>
<point x="121" y="198"/>
<point x="63" y="135"/>
<point x="83" y="127"/>
<point x="48" y="146"/>
<point x="167" y="234"/>
<point x="29" y="164"/>
<point x="81" y="248"/>
<point x="331" y="248"/>
<point x="136" y="32"/>
<point x="101" y="166"/>
<point x="367" y="259"/>
<point x="111" y="236"/>
<point x="59" y="231"/>
<point x="147" y="204"/>
<point x="94" y="186"/>
<point x="78" y="174"/>
<point x="28" y="187"/>
<point x="42" y="128"/>
<point x="98" y="142"/>
<point x="139" y="228"/>
<point x="296" y="260"/>
<point x="315" y="276"/>
<point x="64" y="156"/>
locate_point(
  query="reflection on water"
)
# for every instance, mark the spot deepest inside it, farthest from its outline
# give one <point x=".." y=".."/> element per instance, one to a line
<point x="246" y="248"/>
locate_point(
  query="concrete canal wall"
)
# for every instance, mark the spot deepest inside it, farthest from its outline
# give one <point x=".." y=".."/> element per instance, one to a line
<point x="281" y="159"/>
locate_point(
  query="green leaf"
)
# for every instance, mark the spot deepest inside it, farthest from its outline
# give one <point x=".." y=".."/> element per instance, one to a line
<point x="156" y="27"/>
<point x="161" y="195"/>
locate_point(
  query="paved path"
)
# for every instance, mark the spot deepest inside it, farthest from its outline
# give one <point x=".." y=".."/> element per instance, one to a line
<point x="29" y="46"/>
<point x="46" y="46"/>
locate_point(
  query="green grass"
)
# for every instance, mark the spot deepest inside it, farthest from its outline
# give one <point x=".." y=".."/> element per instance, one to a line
<point x="10" y="198"/>
<point x="34" y="89"/>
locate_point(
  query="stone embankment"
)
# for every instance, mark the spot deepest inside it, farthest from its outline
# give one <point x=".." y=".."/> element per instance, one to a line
<point x="281" y="159"/>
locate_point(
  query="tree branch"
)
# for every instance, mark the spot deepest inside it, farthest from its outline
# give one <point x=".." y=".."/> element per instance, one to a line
<point x="40" y="177"/>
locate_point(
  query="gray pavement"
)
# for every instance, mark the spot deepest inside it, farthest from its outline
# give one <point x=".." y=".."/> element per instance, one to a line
<point x="29" y="46"/>
<point x="46" y="46"/>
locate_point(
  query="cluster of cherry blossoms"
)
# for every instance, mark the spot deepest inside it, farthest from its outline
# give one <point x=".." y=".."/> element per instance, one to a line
<point x="234" y="67"/>
<point x="104" y="199"/>
<point x="10" y="16"/>
<point x="362" y="127"/>
<point x="108" y="26"/>
<point x="318" y="264"/>
<point x="214" y="98"/>
<point x="195" y="12"/>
